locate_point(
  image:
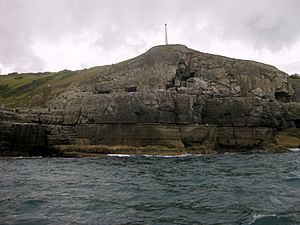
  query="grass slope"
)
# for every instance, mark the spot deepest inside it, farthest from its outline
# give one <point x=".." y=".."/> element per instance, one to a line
<point x="34" y="89"/>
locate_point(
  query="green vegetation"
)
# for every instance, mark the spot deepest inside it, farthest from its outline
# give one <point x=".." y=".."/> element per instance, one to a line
<point x="295" y="76"/>
<point x="34" y="89"/>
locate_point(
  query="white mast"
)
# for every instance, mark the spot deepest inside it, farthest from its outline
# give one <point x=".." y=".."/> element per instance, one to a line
<point x="166" y="34"/>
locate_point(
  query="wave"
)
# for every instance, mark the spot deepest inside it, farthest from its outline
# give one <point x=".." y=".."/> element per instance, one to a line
<point x="293" y="177"/>
<point x="156" y="156"/>
<point x="270" y="219"/>
<point x="170" y="156"/>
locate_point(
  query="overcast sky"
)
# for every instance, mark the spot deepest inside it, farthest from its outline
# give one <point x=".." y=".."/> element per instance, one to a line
<point x="51" y="35"/>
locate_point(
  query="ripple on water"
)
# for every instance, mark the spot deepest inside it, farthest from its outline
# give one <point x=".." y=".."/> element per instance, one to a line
<point x="186" y="189"/>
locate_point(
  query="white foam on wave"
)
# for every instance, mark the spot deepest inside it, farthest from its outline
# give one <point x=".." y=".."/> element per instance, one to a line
<point x="263" y="215"/>
<point x="259" y="216"/>
<point x="166" y="156"/>
<point x="294" y="149"/>
<point x="156" y="156"/>
<point x="173" y="156"/>
<point x="28" y="157"/>
<point x="119" y="155"/>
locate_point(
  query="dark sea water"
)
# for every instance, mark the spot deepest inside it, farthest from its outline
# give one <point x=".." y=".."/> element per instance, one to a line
<point x="251" y="189"/>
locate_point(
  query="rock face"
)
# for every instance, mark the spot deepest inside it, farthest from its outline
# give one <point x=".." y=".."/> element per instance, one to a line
<point x="169" y="97"/>
<point x="295" y="83"/>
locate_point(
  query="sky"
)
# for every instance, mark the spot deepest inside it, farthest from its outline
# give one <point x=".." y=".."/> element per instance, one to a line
<point x="52" y="35"/>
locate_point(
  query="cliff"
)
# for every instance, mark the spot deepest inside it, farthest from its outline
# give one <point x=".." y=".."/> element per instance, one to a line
<point x="171" y="99"/>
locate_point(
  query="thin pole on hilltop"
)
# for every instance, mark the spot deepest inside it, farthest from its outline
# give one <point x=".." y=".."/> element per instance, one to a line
<point x="166" y="34"/>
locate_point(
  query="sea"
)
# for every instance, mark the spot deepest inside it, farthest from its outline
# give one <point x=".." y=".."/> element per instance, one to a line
<point x="254" y="189"/>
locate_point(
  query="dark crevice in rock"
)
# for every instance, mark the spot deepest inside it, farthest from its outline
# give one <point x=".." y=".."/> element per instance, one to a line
<point x="282" y="96"/>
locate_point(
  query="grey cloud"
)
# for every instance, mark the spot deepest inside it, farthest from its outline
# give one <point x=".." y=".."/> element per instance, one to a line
<point x="15" y="39"/>
<point x="20" y="24"/>
<point x="112" y="38"/>
<point x="18" y="55"/>
<point x="271" y="24"/>
<point x="259" y="23"/>
<point x="291" y="68"/>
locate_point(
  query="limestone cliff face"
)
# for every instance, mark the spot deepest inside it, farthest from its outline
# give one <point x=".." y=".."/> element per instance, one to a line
<point x="214" y="76"/>
<point x="171" y="96"/>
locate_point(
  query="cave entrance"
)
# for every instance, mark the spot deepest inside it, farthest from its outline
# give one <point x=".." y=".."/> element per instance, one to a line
<point x="131" y="89"/>
<point x="297" y="123"/>
<point x="282" y="97"/>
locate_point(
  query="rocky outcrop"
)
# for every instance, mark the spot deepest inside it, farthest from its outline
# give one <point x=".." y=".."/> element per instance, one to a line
<point x="244" y="138"/>
<point x="24" y="139"/>
<point x="219" y="76"/>
<point x="295" y="83"/>
<point x="170" y="97"/>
